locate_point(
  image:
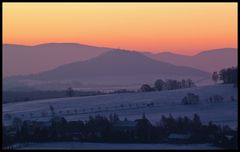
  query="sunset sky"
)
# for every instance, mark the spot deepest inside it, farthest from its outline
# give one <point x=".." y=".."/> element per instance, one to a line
<point x="184" y="28"/>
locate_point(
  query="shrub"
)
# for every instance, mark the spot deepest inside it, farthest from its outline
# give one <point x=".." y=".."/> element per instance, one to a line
<point x="146" y="88"/>
<point x="190" y="99"/>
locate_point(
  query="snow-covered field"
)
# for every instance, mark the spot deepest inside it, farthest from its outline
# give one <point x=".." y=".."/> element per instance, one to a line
<point x="132" y="105"/>
<point x="79" y="145"/>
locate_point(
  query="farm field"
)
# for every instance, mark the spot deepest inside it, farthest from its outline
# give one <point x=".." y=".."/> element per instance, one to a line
<point x="133" y="105"/>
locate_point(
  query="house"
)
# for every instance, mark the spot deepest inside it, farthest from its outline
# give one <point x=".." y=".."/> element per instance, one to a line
<point x="179" y="138"/>
<point x="76" y="135"/>
<point x="12" y="133"/>
<point x="125" y="125"/>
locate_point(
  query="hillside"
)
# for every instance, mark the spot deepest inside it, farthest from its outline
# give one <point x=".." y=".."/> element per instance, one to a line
<point x="116" y="63"/>
<point x="22" y="59"/>
<point x="116" y="67"/>
<point x="210" y="60"/>
<point x="132" y="105"/>
<point x="16" y="58"/>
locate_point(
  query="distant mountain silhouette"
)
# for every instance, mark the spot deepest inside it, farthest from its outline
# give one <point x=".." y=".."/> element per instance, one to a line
<point x="211" y="60"/>
<point x="116" y="63"/>
<point x="22" y="59"/>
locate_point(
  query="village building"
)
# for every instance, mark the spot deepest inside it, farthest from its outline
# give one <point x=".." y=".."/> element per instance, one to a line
<point x="124" y="125"/>
<point x="179" y="138"/>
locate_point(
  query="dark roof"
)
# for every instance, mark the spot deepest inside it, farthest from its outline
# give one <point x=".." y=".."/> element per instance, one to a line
<point x="179" y="136"/>
<point x="125" y="123"/>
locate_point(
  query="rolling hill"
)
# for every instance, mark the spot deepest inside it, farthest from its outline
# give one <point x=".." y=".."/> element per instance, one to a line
<point x="116" y="63"/>
<point x="210" y="60"/>
<point x="116" y="67"/>
<point x="165" y="102"/>
<point x="22" y="59"/>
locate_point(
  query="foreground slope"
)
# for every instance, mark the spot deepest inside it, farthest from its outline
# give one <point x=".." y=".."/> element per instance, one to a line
<point x="113" y="146"/>
<point x="132" y="105"/>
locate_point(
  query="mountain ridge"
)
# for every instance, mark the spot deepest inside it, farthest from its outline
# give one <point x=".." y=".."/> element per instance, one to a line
<point x="56" y="54"/>
<point x="209" y="60"/>
<point x="115" y="63"/>
<point x="16" y="58"/>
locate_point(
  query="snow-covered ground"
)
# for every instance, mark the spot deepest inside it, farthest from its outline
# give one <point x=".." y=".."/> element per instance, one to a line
<point x="132" y="105"/>
<point x="79" y="145"/>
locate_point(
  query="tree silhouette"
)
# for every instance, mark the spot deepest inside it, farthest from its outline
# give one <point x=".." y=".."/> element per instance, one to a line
<point x="159" y="84"/>
<point x="70" y="92"/>
<point x="146" y="88"/>
<point x="52" y="110"/>
<point x="215" y="77"/>
<point x="229" y="75"/>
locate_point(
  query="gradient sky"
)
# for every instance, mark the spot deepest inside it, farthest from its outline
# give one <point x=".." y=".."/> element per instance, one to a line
<point x="184" y="28"/>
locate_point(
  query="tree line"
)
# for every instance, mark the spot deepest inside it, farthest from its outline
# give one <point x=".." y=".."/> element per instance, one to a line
<point x="18" y="96"/>
<point x="169" y="84"/>
<point x="227" y="76"/>
<point x="102" y="129"/>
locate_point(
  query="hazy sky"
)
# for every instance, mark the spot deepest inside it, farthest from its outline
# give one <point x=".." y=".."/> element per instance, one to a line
<point x="185" y="28"/>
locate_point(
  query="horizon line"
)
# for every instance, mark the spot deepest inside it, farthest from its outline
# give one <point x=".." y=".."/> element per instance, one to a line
<point x="127" y="49"/>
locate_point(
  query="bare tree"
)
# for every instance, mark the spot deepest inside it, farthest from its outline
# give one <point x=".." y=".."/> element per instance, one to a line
<point x="215" y="77"/>
<point x="70" y="92"/>
<point x="159" y="85"/>
<point x="52" y="110"/>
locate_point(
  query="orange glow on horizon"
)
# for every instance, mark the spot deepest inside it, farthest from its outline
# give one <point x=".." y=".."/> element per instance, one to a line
<point x="184" y="28"/>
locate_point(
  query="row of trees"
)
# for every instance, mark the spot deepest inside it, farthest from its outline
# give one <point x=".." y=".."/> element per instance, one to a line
<point x="52" y="112"/>
<point x="101" y="129"/>
<point x="228" y="75"/>
<point x="192" y="98"/>
<point x="19" y="96"/>
<point x="169" y="84"/>
<point x="217" y="98"/>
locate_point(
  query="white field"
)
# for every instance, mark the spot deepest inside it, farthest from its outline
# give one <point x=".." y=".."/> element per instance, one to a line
<point x="103" y="146"/>
<point x="165" y="102"/>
